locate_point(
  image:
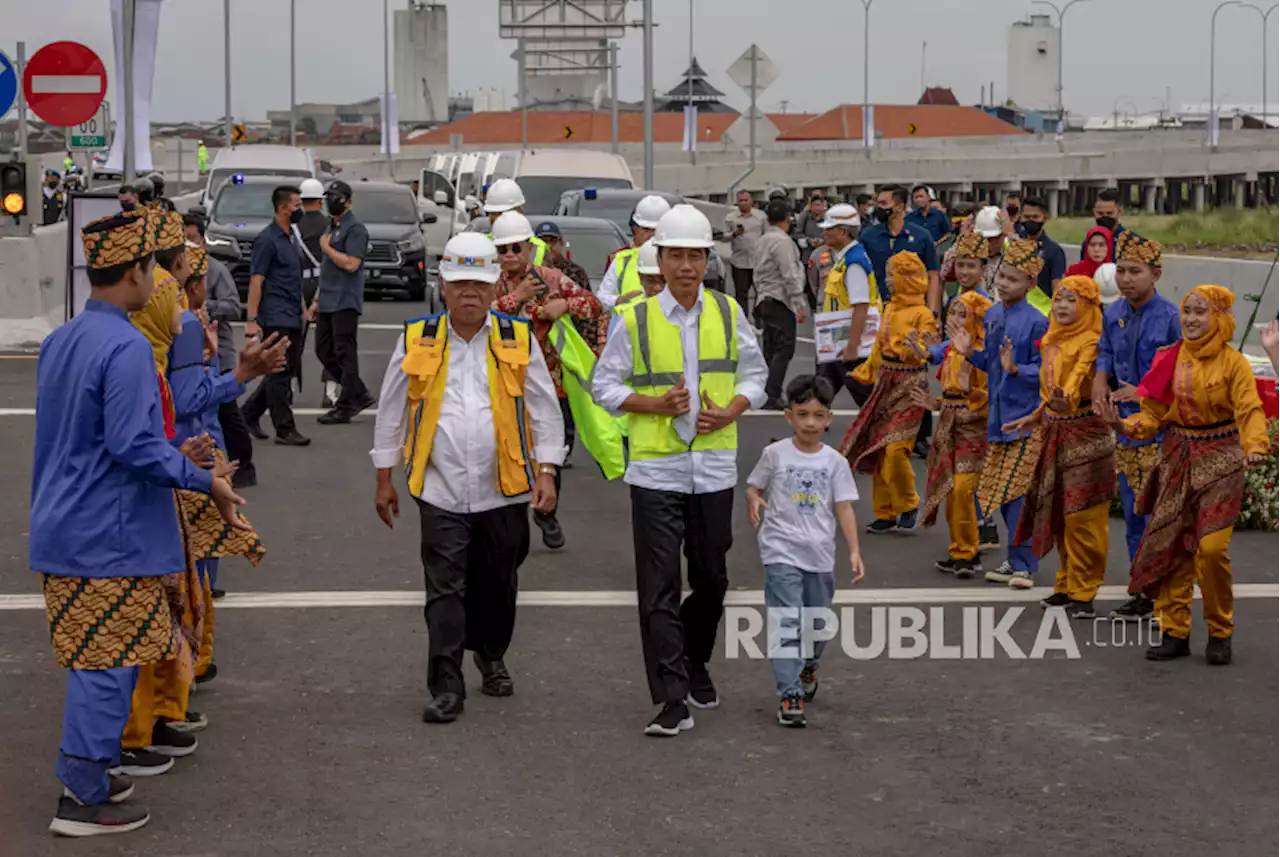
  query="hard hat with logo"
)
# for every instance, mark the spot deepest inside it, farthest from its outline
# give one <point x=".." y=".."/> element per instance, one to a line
<point x="647" y="259"/>
<point x="311" y="189"/>
<point x="649" y="211"/>
<point x="503" y="195"/>
<point x="987" y="222"/>
<point x="841" y="215"/>
<point x="683" y="226"/>
<point x="469" y="256"/>
<point x="1105" y="277"/>
<point x="511" y="227"/>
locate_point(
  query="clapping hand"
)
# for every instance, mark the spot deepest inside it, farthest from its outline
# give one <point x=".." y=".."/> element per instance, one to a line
<point x="1006" y="357"/>
<point x="921" y="399"/>
<point x="1106" y="411"/>
<point x="1023" y="425"/>
<point x="1058" y="400"/>
<point x="199" y="450"/>
<point x="1126" y="393"/>
<point x="917" y="348"/>
<point x="262" y="357"/>
<point x="961" y="340"/>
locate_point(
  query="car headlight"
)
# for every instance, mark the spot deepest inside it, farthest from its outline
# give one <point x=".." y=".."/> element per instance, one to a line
<point x="413" y="242"/>
<point x="212" y="240"/>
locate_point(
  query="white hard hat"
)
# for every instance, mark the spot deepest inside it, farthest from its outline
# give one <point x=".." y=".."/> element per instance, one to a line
<point x="647" y="259"/>
<point x="1105" y="277"/>
<point x="841" y="215"/>
<point x="511" y="227"/>
<point x="311" y="189"/>
<point x="469" y="256"/>
<point x="683" y="226"/>
<point x="503" y="195"/>
<point x="649" y="211"/>
<point x="987" y="222"/>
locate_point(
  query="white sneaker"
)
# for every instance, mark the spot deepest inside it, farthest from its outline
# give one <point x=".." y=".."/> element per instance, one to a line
<point x="1021" y="580"/>
<point x="1001" y="574"/>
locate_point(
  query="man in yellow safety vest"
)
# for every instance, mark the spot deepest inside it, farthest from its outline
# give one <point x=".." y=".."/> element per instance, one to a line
<point x="622" y="279"/>
<point x="469" y="408"/>
<point x="683" y="365"/>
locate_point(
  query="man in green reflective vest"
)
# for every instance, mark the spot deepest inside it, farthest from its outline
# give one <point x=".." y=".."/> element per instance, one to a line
<point x="622" y="280"/>
<point x="202" y="158"/>
<point x="505" y="195"/>
<point x="683" y="366"/>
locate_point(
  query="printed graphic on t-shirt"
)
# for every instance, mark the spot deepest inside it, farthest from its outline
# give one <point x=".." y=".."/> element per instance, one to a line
<point x="807" y="487"/>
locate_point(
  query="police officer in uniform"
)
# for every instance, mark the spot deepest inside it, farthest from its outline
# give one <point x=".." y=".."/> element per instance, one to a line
<point x="53" y="198"/>
<point x="307" y="232"/>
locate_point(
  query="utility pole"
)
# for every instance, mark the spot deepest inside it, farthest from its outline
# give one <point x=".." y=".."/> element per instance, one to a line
<point x="20" y="71"/>
<point x="1212" y="123"/>
<point x="386" y="88"/>
<point x="648" y="95"/>
<point x="226" y="71"/>
<point x="613" y="92"/>
<point x="293" y="73"/>
<point x="129" y="17"/>
<point x="692" y="115"/>
<point x="866" y="75"/>
<point x="524" y="98"/>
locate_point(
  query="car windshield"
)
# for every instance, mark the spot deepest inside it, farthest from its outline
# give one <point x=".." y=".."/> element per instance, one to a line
<point x="617" y="209"/>
<point x="219" y="177"/>
<point x="241" y="202"/>
<point x="542" y="193"/>
<point x="384" y="206"/>
<point x="590" y="248"/>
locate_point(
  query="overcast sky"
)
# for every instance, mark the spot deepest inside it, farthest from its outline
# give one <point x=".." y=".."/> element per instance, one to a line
<point x="1125" y="50"/>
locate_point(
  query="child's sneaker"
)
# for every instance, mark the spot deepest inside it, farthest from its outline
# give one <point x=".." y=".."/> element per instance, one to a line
<point x="809" y="682"/>
<point x="1081" y="610"/>
<point x="1001" y="574"/>
<point x="1057" y="599"/>
<point x="1021" y="580"/>
<point x="882" y="525"/>
<point x="791" y="712"/>
<point x="946" y="566"/>
<point x="966" y="568"/>
<point x="907" y="520"/>
<point x="988" y="537"/>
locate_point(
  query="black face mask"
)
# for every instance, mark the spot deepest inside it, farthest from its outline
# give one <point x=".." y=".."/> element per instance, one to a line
<point x="336" y="205"/>
<point x="295" y="217"/>
<point x="128" y="205"/>
<point x="1105" y="222"/>
<point x="883" y="214"/>
<point x="1031" y="228"/>
<point x="1012" y="209"/>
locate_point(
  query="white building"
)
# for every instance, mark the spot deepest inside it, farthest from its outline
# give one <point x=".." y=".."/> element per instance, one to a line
<point x="1034" y="46"/>
<point x="422" y="62"/>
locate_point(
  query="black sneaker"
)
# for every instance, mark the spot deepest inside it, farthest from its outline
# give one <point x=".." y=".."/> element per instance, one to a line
<point x="921" y="450"/>
<point x="194" y="722"/>
<point x="75" y="819"/>
<point x="292" y="438"/>
<point x="673" y="719"/>
<point x="167" y="741"/>
<point x="881" y="526"/>
<point x="967" y="568"/>
<point x="445" y="708"/>
<point x="211" y="671"/>
<point x="552" y="534"/>
<point x="702" y="691"/>
<point x="255" y="428"/>
<point x="142" y="763"/>
<point x="809" y="682"/>
<point x="1170" y="647"/>
<point x="1137" y="608"/>
<point x="245" y="477"/>
<point x="364" y="404"/>
<point x="907" y="520"/>
<point x="217" y="594"/>
<point x="496" y="681"/>
<point x="791" y="712"/>
<point x="334" y="417"/>
<point x="1218" y="652"/>
<point x="1057" y="599"/>
<point x="988" y="537"/>
<point x="1081" y="610"/>
<point x="119" y="787"/>
<point x="327" y="403"/>
<point x="946" y="566"/>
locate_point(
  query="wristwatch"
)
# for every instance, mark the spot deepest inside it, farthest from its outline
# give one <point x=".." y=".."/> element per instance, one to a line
<point x="549" y="469"/>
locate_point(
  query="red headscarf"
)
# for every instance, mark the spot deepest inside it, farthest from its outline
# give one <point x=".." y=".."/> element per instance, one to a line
<point x="1086" y="266"/>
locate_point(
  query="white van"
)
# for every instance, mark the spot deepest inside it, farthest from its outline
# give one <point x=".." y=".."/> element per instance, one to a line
<point x="257" y="160"/>
<point x="544" y="174"/>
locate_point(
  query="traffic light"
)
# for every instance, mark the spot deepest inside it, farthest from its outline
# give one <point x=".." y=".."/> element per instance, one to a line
<point x="13" y="189"/>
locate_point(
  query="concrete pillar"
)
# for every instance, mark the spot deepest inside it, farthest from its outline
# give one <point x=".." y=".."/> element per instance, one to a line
<point x="1055" y="197"/>
<point x="1149" y="198"/>
<point x="1240" y="186"/>
<point x="1198" y="193"/>
<point x="832" y="191"/>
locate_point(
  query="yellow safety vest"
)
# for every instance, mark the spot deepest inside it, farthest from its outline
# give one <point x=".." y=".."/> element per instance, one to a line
<point x="658" y="365"/>
<point x="626" y="264"/>
<point x="426" y="362"/>
<point x="837" y="296"/>
<point x="1038" y="299"/>
<point x="539" y="248"/>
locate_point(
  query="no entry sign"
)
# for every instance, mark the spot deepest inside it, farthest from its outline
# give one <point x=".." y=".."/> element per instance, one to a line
<point x="65" y="83"/>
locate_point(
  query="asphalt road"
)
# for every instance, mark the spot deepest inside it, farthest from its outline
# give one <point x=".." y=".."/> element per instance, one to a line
<point x="316" y="746"/>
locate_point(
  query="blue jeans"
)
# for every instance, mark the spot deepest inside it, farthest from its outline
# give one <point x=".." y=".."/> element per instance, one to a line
<point x="1134" y="524"/>
<point x="1021" y="557"/>
<point x="209" y="568"/>
<point x="96" y="710"/>
<point x="786" y="586"/>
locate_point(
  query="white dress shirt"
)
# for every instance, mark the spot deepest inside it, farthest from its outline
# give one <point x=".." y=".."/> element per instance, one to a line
<point x="707" y="470"/>
<point x="462" y="472"/>
<point x="611" y="285"/>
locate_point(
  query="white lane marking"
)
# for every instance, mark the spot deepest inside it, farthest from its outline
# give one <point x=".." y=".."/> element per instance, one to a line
<point x="980" y="594"/>
<point x="363" y="326"/>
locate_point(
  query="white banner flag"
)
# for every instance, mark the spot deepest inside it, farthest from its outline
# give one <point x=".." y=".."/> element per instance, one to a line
<point x="690" y="128"/>
<point x="390" y="123"/>
<point x="146" y="31"/>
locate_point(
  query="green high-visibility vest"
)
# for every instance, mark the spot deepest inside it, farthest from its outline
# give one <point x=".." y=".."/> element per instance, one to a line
<point x="599" y="430"/>
<point x="626" y="264"/>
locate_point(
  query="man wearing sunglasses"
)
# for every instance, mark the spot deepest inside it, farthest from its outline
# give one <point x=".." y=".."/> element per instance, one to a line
<point x="542" y="295"/>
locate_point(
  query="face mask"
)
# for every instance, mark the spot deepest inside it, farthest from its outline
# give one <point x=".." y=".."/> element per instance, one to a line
<point x="1012" y="209"/>
<point x="128" y="206"/>
<point x="1105" y="222"/>
<point x="336" y="205"/>
<point x="295" y="217"/>
<point x="883" y="214"/>
<point x="1031" y="228"/>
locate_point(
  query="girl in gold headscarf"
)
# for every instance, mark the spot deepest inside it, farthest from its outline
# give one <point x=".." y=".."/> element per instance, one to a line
<point x="960" y="442"/>
<point x="1202" y="392"/>
<point x="881" y="438"/>
<point x="1068" y="501"/>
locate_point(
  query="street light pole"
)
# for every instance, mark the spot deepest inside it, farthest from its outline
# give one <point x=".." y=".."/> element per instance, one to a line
<point x="1265" y="70"/>
<point x="293" y="73"/>
<point x="129" y="19"/>
<point x="866" y="73"/>
<point x="1062" y="117"/>
<point x="226" y="72"/>
<point x="386" y="87"/>
<point x="648" y="95"/>
<point x="693" y="125"/>
<point x="1212" y="119"/>
<point x="613" y="93"/>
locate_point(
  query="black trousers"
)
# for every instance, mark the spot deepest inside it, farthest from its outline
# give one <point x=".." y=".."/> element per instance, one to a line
<point x="236" y="434"/>
<point x="779" y="343"/>
<point x="469" y="564"/>
<point x="570" y="438"/>
<point x="743" y="279"/>
<point x="274" y="393"/>
<point x="838" y="374"/>
<point x="336" y="350"/>
<point x="675" y="636"/>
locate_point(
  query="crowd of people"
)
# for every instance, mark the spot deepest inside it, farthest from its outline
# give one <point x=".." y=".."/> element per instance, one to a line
<point x="1052" y="384"/>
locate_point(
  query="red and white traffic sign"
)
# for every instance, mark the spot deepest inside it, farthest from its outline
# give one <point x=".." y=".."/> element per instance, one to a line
<point x="65" y="83"/>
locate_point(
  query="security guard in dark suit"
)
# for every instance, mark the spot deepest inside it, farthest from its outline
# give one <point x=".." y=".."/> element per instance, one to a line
<point x="53" y="199"/>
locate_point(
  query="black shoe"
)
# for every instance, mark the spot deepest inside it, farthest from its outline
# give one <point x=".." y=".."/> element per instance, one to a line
<point x="881" y="526"/>
<point x="496" y="681"/>
<point x="209" y="674"/>
<point x="1057" y="599"/>
<point x="168" y="741"/>
<point x="552" y="535"/>
<point x="1081" y="610"/>
<point x="772" y="404"/>
<point x="363" y="405"/>
<point x="921" y="449"/>
<point x="967" y="568"/>
<point x="335" y="417"/>
<point x="702" y="691"/>
<point x="988" y="537"/>
<point x="119" y="787"/>
<point x="1170" y="647"/>
<point x="673" y="719"/>
<point x="327" y="403"/>
<point x="75" y="819"/>
<point x="445" y="708"/>
<point x="946" y="566"/>
<point x="217" y="595"/>
<point x="194" y="722"/>
<point x="245" y="477"/>
<point x="907" y="520"/>
<point x="1218" y="652"/>
<point x="292" y="438"/>
<point x="255" y="428"/>
<point x="791" y="712"/>
<point x="142" y="763"/>
<point x="1137" y="608"/>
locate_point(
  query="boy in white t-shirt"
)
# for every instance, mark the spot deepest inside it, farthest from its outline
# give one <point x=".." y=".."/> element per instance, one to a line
<point x="802" y="487"/>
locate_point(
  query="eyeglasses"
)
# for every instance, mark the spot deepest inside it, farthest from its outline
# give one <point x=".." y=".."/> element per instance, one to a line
<point x="511" y="249"/>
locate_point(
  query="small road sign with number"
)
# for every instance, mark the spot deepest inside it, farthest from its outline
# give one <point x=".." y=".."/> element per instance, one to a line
<point x="90" y="134"/>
